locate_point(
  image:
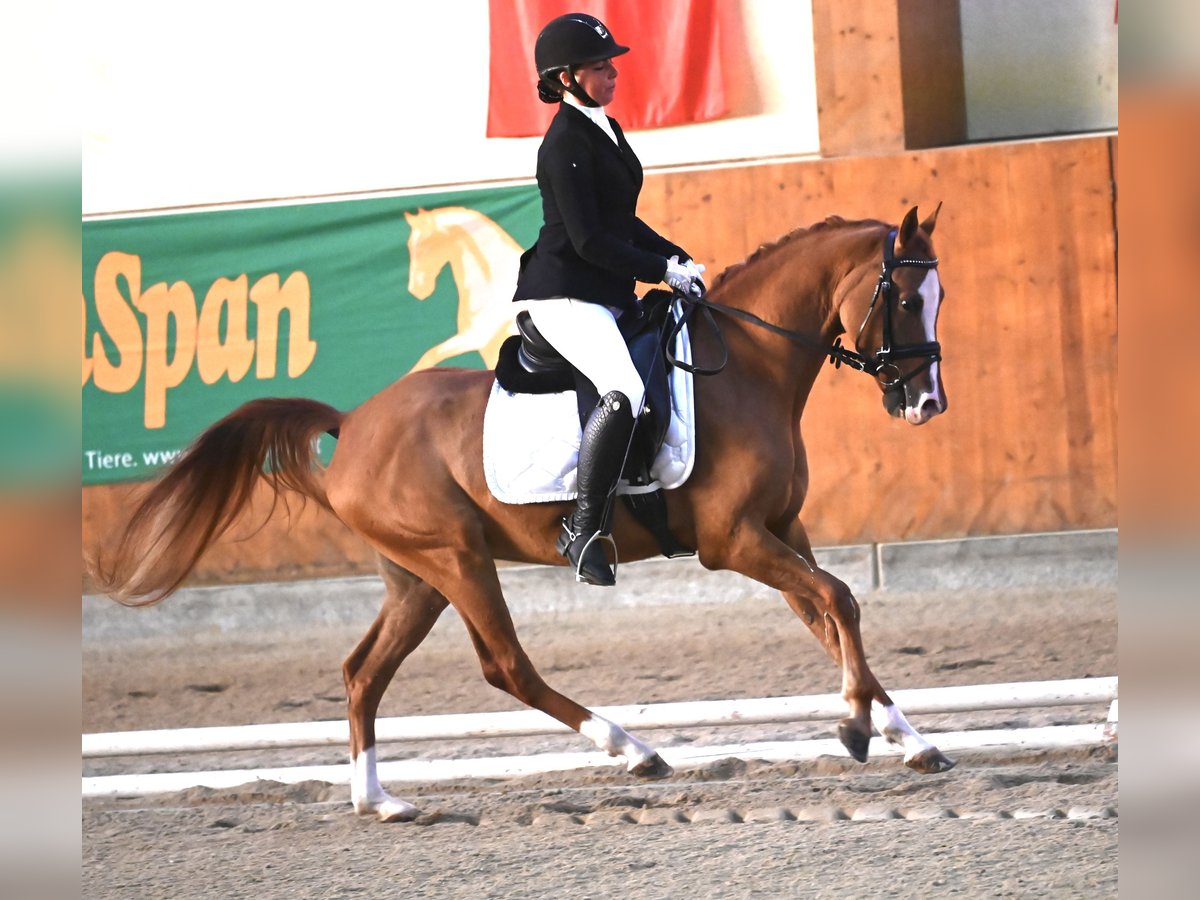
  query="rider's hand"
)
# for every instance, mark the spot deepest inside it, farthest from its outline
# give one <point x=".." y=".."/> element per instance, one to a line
<point x="697" y="270"/>
<point x="684" y="278"/>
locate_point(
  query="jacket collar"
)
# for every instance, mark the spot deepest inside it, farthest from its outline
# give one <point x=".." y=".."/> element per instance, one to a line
<point x="579" y="119"/>
<point x="595" y="113"/>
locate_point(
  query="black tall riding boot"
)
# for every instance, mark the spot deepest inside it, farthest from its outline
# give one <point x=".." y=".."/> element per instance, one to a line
<point x="601" y="455"/>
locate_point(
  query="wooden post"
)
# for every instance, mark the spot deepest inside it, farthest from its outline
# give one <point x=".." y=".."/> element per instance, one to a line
<point x="889" y="75"/>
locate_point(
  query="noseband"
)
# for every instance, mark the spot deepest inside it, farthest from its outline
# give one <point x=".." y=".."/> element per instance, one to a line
<point x="882" y="360"/>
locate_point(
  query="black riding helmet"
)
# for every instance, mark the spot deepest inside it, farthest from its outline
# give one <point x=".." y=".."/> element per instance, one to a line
<point x="569" y="42"/>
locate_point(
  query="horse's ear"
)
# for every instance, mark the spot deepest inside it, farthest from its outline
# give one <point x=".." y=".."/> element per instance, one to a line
<point x="408" y="217"/>
<point x="908" y="228"/>
<point x="928" y="225"/>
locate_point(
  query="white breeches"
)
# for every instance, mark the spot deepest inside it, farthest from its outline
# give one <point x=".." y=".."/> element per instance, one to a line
<point x="587" y="336"/>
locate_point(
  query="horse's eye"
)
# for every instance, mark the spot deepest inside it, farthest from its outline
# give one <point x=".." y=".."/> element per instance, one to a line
<point x="912" y="303"/>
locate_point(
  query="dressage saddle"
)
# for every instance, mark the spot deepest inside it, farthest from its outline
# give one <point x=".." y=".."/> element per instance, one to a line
<point x="529" y="364"/>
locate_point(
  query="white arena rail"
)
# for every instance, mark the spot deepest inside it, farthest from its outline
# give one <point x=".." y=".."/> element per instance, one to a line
<point x="1037" y="694"/>
<point x="694" y="714"/>
<point x="681" y="758"/>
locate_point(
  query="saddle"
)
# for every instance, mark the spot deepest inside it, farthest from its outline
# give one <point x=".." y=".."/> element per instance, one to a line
<point x="529" y="364"/>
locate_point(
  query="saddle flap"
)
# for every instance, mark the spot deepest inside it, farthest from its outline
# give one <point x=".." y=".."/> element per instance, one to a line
<point x="529" y="364"/>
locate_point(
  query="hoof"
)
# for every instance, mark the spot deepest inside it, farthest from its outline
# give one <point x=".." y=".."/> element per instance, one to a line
<point x="654" y="767"/>
<point x="930" y="762"/>
<point x="398" y="815"/>
<point x="855" y="742"/>
<point x="389" y="810"/>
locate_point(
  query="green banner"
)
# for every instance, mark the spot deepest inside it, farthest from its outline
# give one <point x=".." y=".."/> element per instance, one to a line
<point x="188" y="316"/>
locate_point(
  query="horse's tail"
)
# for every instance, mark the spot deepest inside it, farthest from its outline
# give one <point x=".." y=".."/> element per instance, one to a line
<point x="196" y="500"/>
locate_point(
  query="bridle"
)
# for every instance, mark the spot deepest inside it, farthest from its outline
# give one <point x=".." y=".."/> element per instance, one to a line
<point x="875" y="364"/>
<point x="886" y="356"/>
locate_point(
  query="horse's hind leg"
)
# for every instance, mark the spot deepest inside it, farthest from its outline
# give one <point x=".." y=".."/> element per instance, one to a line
<point x="829" y="609"/>
<point x="410" y="609"/>
<point x="506" y="667"/>
<point x="464" y="572"/>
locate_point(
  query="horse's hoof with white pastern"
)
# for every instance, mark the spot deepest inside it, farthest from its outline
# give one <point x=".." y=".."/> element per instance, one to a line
<point x="930" y="762"/>
<point x="389" y="810"/>
<point x="654" y="767"/>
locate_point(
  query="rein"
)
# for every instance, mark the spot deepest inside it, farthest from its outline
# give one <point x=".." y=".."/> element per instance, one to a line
<point x="872" y="363"/>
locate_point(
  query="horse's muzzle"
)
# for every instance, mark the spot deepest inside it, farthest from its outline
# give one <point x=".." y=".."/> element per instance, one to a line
<point x="927" y="406"/>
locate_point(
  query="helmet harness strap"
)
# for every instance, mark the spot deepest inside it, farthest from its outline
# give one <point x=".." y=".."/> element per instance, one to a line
<point x="574" y="87"/>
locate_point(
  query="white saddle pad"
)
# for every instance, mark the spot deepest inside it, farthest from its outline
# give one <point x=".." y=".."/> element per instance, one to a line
<point x="531" y="441"/>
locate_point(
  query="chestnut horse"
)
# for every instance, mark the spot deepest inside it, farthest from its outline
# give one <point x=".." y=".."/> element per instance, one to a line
<point x="407" y="475"/>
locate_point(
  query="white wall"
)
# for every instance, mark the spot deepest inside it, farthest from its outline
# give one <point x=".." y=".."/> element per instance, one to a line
<point x="1035" y="67"/>
<point x="239" y="100"/>
<point x="242" y="100"/>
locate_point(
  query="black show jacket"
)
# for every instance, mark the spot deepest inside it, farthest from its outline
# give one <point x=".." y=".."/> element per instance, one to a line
<point x="592" y="245"/>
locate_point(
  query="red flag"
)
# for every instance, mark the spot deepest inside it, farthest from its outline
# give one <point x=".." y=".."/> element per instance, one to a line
<point x="673" y="73"/>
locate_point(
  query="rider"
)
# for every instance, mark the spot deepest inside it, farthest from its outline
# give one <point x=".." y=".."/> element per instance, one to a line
<point x="591" y="250"/>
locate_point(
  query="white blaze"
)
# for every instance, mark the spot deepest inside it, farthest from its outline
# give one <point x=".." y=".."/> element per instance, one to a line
<point x="931" y="298"/>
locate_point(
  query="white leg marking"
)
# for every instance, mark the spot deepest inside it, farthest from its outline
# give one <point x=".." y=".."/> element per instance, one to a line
<point x="893" y="726"/>
<point x="368" y="795"/>
<point x="615" y="741"/>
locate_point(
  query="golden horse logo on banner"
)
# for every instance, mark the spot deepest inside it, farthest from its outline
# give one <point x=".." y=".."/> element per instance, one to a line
<point x="484" y="260"/>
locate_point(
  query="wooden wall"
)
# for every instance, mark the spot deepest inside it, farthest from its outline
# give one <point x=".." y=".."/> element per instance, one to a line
<point x="1028" y="250"/>
<point x="1029" y="443"/>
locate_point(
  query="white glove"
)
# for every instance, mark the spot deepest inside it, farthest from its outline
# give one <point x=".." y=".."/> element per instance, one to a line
<point x="682" y="278"/>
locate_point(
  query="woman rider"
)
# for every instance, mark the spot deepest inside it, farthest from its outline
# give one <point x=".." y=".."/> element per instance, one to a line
<point x="591" y="250"/>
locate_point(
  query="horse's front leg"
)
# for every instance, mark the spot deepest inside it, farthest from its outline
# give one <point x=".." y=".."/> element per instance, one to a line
<point x="829" y="609"/>
<point x="831" y="612"/>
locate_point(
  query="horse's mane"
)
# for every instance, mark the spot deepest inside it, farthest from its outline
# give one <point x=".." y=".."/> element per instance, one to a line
<point x="765" y="250"/>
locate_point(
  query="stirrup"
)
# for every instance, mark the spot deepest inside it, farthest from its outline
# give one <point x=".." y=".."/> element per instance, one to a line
<point x="568" y="536"/>
<point x="613" y="565"/>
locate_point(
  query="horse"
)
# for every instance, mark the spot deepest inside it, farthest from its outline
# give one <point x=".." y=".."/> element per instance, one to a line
<point x="407" y="475"/>
<point x="483" y="258"/>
